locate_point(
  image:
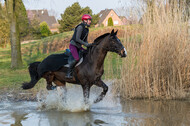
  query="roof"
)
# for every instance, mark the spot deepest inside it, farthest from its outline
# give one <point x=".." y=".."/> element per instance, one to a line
<point x="42" y="15"/>
<point x="103" y="14"/>
<point x="122" y="17"/>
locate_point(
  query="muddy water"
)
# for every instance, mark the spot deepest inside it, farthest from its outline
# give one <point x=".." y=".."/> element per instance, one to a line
<point x="54" y="110"/>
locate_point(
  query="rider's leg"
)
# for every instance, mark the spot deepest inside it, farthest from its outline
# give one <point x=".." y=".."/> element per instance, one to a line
<point x="75" y="54"/>
<point x="83" y="52"/>
<point x="74" y="51"/>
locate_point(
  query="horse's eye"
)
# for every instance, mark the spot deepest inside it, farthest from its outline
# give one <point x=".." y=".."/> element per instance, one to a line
<point x="112" y="38"/>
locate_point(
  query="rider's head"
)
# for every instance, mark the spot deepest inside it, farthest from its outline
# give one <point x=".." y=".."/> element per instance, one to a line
<point x="86" y="18"/>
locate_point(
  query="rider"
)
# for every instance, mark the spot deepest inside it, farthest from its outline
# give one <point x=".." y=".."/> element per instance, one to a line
<point x="79" y="38"/>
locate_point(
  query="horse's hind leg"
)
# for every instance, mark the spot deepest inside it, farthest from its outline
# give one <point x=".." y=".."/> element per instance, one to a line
<point x="59" y="83"/>
<point x="105" y="89"/>
<point x="62" y="85"/>
<point x="49" y="76"/>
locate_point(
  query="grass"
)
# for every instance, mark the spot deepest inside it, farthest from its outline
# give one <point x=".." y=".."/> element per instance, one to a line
<point x="112" y="65"/>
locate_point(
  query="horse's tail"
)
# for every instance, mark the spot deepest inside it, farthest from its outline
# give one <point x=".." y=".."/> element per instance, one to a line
<point x="33" y="75"/>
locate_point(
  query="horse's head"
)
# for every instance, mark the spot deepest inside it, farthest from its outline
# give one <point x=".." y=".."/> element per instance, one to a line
<point x="115" y="45"/>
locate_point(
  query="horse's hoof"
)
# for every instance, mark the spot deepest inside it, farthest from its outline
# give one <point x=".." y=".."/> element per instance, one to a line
<point x="53" y="87"/>
<point x="98" y="99"/>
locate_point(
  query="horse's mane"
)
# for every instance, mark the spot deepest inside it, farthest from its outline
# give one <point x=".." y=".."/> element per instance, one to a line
<point x="97" y="40"/>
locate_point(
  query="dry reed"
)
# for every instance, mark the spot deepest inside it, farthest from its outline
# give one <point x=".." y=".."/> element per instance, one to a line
<point x="159" y="65"/>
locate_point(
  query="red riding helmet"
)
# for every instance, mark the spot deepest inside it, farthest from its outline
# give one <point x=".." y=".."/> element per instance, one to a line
<point x="86" y="17"/>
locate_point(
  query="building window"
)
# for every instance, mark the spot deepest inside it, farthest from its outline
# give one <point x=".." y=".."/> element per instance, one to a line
<point x="111" y="14"/>
<point x="106" y="23"/>
<point x="116" y="22"/>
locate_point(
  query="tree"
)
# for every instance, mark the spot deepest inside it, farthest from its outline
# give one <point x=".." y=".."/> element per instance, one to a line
<point x="110" y="21"/>
<point x="95" y="19"/>
<point x="12" y="12"/>
<point x="72" y="17"/>
<point x="4" y="27"/>
<point x="44" y="29"/>
<point x="34" y="28"/>
<point x="23" y="22"/>
<point x="4" y="23"/>
<point x="1" y="10"/>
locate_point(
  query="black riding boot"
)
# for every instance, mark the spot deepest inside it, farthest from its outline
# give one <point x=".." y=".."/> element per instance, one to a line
<point x="69" y="74"/>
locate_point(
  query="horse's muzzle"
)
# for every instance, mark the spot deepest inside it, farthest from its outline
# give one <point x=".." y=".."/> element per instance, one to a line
<point x="123" y="52"/>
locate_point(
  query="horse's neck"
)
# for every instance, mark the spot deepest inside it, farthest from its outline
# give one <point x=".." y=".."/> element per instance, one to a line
<point x="98" y="56"/>
<point x="100" y="59"/>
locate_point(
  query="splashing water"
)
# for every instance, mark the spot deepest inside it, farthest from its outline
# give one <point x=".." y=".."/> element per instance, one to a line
<point x="71" y="99"/>
<point x="61" y="99"/>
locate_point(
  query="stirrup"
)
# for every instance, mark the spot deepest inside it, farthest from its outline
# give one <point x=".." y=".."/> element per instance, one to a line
<point x="69" y="75"/>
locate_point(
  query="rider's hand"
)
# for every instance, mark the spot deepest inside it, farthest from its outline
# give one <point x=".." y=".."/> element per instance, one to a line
<point x="88" y="44"/>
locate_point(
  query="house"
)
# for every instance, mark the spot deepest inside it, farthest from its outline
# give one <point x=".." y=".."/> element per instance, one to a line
<point x="124" y="20"/>
<point x="107" y="13"/>
<point x="42" y="15"/>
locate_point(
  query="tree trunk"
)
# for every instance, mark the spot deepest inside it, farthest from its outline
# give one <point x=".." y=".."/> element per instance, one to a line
<point x="16" y="59"/>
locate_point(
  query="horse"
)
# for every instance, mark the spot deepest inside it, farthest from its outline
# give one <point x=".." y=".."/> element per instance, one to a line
<point x="88" y="73"/>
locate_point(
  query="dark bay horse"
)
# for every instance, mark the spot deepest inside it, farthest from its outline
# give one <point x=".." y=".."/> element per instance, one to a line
<point x="88" y="73"/>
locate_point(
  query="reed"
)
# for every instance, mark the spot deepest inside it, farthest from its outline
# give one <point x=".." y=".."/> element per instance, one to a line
<point x="158" y="64"/>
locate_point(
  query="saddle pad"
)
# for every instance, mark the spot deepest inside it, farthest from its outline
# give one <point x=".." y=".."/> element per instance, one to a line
<point x="80" y="61"/>
<point x="52" y="63"/>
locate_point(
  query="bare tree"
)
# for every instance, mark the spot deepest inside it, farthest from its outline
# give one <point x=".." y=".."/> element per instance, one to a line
<point x="16" y="59"/>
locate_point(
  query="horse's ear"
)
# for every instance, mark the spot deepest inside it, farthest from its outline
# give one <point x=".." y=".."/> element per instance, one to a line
<point x="116" y="32"/>
<point x="112" y="32"/>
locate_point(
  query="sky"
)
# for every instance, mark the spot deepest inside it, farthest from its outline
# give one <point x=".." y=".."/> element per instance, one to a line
<point x="58" y="6"/>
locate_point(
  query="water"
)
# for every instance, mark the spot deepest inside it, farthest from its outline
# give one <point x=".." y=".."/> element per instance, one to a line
<point x="54" y="110"/>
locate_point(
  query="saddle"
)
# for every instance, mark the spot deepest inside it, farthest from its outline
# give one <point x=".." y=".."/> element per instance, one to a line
<point x="71" y="58"/>
<point x="55" y="61"/>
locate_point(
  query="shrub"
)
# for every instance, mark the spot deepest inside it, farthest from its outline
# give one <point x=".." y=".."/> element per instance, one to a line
<point x="44" y="29"/>
<point x="110" y="21"/>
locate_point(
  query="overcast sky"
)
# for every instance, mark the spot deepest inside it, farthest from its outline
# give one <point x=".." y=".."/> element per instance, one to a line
<point x="60" y="5"/>
<point x="57" y="7"/>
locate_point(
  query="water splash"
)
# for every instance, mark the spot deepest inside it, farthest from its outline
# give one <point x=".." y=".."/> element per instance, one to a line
<point x="70" y="99"/>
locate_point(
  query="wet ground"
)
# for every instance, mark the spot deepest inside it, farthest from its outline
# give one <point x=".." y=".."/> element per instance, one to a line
<point x="52" y="110"/>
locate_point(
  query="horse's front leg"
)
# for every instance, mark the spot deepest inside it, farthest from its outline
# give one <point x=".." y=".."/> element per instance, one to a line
<point x="105" y="89"/>
<point x="86" y="93"/>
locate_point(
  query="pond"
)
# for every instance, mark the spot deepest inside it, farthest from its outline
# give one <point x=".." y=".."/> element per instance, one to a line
<point x="52" y="109"/>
